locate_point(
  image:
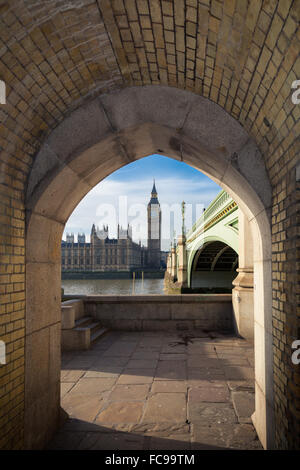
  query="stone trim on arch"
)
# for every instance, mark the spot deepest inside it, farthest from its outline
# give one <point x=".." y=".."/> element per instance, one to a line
<point x="91" y="143"/>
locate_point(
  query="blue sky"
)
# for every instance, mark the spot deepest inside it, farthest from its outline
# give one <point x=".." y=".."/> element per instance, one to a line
<point x="123" y="197"/>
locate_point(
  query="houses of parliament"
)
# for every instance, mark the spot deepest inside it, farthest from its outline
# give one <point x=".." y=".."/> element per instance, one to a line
<point x="121" y="254"/>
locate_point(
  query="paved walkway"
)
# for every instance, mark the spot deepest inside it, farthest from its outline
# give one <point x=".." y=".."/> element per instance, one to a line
<point x="168" y="391"/>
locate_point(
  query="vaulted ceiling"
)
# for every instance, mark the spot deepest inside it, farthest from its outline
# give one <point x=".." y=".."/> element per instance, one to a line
<point x="55" y="55"/>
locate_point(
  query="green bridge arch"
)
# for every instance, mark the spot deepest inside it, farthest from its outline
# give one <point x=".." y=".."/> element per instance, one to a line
<point x="218" y="223"/>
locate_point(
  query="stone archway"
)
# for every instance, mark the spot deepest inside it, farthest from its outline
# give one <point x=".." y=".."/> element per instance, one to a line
<point x="91" y="143"/>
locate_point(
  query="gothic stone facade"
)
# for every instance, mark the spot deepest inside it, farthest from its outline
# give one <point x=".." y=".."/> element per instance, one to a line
<point x="115" y="254"/>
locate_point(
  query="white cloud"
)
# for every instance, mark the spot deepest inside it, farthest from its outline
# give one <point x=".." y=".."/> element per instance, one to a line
<point x="106" y="197"/>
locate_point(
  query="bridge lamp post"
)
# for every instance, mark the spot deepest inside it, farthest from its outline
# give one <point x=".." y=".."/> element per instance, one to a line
<point x="182" y="271"/>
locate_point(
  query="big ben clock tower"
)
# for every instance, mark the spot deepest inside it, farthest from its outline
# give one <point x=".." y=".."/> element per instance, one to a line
<point x="154" y="230"/>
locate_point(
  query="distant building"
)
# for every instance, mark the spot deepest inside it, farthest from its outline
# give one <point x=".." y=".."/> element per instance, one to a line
<point x="116" y="254"/>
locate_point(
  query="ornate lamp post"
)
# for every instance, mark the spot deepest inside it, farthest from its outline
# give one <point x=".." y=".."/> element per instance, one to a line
<point x="182" y="273"/>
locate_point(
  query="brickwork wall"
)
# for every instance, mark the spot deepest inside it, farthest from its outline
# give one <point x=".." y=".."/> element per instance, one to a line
<point x="12" y="306"/>
<point x="242" y="54"/>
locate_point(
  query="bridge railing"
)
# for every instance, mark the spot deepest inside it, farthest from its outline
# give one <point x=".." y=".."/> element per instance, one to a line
<point x="221" y="201"/>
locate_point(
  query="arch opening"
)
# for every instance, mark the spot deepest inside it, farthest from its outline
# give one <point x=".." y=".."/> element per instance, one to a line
<point x="75" y="165"/>
<point x="213" y="268"/>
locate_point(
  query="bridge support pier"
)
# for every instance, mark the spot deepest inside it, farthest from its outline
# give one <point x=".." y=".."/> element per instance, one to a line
<point x="242" y="294"/>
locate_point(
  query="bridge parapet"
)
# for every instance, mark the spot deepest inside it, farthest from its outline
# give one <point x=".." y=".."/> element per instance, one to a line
<point x="219" y="223"/>
<point x="219" y="208"/>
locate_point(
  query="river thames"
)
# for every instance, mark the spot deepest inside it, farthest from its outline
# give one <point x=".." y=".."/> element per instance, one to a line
<point x="112" y="286"/>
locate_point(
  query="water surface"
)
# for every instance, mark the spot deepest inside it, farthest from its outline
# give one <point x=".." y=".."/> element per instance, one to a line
<point x="112" y="286"/>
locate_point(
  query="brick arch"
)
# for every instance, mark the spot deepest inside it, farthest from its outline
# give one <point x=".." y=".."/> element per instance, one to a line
<point x="91" y="143"/>
<point x="242" y="55"/>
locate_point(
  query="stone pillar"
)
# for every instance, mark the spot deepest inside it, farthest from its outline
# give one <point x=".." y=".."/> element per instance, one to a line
<point x="169" y="263"/>
<point x="182" y="271"/>
<point x="242" y="294"/>
<point x="173" y="264"/>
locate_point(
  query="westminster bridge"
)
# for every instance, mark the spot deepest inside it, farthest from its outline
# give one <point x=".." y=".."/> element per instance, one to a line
<point x="216" y="256"/>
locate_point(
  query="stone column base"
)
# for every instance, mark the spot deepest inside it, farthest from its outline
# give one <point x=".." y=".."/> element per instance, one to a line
<point x="242" y="303"/>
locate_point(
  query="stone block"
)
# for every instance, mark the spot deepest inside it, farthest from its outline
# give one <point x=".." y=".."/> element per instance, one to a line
<point x="46" y="249"/>
<point x="252" y="166"/>
<point x="42" y="415"/>
<point x="75" y="339"/>
<point x="42" y="295"/>
<point x="99" y="161"/>
<point x="77" y="305"/>
<point x="82" y="129"/>
<point x="59" y="195"/>
<point x="136" y="105"/>
<point x="67" y="317"/>
<point x="204" y="118"/>
<point x="46" y="162"/>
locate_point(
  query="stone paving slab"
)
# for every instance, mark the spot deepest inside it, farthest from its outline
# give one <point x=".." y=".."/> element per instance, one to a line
<point x="241" y="385"/>
<point x="172" y="442"/>
<point x="211" y="413"/>
<point x="121" y="412"/>
<point x="145" y="354"/>
<point x="244" y="405"/>
<point x="92" y="386"/>
<point x="219" y="437"/>
<point x="120" y="349"/>
<point x="103" y="372"/>
<point x="65" y="388"/>
<point x="136" y="376"/>
<point x="165" y="407"/>
<point x="158" y="390"/>
<point x="196" y="375"/>
<point x="163" y="429"/>
<point x="209" y="394"/>
<point x="195" y="361"/>
<point x="110" y="361"/>
<point x="229" y="361"/>
<point x="173" y="357"/>
<point x="66" y="440"/>
<point x="111" y="441"/>
<point x="164" y="386"/>
<point x="77" y="407"/>
<point x="129" y="392"/>
<point x="71" y="375"/>
<point x="239" y="373"/>
<point x="142" y="363"/>
<point x="82" y="362"/>
<point x="173" y="370"/>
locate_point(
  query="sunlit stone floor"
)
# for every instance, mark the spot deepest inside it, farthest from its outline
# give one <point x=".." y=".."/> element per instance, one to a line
<point x="168" y="391"/>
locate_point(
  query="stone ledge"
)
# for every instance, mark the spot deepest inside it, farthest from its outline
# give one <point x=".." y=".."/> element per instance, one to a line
<point x="153" y="298"/>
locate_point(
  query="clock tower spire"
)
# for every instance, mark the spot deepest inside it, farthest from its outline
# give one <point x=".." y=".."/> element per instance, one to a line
<point x="154" y="230"/>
